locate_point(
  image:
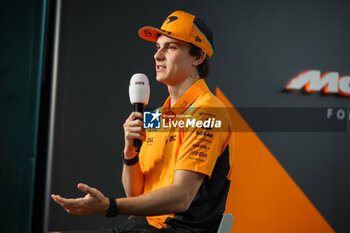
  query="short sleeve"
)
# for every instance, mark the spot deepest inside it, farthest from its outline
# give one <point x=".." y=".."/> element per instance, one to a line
<point x="201" y="146"/>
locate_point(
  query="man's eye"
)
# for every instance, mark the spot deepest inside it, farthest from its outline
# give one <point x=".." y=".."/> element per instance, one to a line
<point x="172" y="47"/>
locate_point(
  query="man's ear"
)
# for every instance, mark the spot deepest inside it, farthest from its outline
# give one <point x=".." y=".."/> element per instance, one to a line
<point x="198" y="60"/>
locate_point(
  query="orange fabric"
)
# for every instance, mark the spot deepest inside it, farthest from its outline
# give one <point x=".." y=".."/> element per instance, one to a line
<point x="165" y="151"/>
<point x="263" y="197"/>
<point x="179" y="25"/>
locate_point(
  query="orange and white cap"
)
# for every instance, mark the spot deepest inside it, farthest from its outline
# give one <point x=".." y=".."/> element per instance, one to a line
<point x="183" y="26"/>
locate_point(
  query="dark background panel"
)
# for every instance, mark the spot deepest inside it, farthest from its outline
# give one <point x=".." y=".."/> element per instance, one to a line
<point x="21" y="45"/>
<point x="273" y="43"/>
<point x="259" y="47"/>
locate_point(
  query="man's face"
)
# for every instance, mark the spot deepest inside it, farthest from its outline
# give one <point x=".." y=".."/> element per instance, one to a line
<point x="173" y="61"/>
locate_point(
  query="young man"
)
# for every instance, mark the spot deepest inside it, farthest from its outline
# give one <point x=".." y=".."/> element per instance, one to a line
<point x="179" y="180"/>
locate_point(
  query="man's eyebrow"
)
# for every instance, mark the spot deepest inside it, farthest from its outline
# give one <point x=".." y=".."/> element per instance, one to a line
<point x="168" y="43"/>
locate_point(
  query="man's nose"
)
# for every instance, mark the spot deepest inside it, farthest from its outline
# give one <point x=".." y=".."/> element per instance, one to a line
<point x="158" y="56"/>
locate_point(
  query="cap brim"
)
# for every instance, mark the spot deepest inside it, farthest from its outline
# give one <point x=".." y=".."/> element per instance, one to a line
<point x="150" y="33"/>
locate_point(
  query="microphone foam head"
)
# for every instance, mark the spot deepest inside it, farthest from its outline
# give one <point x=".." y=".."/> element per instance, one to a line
<point x="139" y="89"/>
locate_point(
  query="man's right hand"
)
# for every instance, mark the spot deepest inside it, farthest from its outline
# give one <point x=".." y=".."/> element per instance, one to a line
<point x="133" y="129"/>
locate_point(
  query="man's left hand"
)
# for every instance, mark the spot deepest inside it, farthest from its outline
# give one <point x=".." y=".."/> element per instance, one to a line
<point x="93" y="203"/>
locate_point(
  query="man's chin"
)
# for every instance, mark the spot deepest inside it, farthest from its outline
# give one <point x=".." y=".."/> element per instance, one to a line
<point x="161" y="79"/>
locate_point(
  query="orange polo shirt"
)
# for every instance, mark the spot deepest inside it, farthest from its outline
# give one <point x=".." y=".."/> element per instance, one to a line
<point x="195" y="147"/>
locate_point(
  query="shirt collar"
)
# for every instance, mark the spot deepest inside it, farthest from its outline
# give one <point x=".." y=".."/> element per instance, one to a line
<point x="197" y="88"/>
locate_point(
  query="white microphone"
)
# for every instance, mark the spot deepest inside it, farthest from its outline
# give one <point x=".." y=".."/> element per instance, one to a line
<point x="139" y="92"/>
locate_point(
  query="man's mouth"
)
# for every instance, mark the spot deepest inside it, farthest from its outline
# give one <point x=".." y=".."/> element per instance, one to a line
<point x="160" y="68"/>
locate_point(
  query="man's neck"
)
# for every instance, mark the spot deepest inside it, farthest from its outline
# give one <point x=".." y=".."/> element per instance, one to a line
<point x="177" y="90"/>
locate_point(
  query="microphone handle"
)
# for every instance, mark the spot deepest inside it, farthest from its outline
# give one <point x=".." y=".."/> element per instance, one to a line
<point x="138" y="107"/>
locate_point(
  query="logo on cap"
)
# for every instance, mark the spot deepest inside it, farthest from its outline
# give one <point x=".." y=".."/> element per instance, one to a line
<point x="147" y="33"/>
<point x="198" y="39"/>
<point x="172" y="18"/>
